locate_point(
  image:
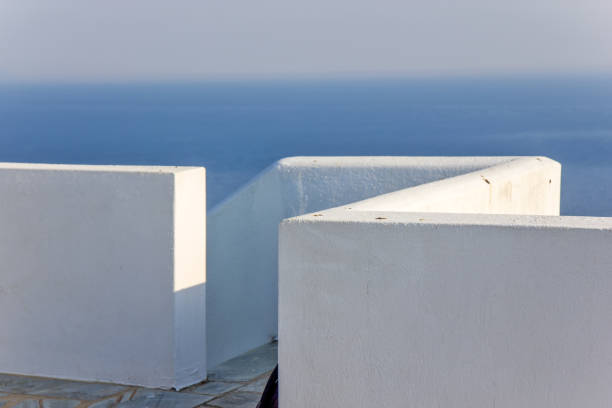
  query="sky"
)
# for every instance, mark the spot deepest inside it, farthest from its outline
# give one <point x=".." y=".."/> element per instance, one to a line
<point x="117" y="40"/>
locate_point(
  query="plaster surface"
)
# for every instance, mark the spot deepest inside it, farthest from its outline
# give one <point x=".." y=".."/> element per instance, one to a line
<point x="528" y="185"/>
<point x="242" y="311"/>
<point x="453" y="293"/>
<point x="103" y="273"/>
<point x="426" y="309"/>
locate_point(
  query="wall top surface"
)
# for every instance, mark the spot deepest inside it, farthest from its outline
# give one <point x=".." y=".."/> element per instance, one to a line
<point x="428" y="218"/>
<point x="425" y="161"/>
<point x="96" y="168"/>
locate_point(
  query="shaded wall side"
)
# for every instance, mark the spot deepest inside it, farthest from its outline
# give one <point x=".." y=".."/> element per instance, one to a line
<point x="241" y="293"/>
<point x="243" y="233"/>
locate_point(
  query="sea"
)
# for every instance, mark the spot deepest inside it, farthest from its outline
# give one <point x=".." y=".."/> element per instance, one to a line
<point x="237" y="128"/>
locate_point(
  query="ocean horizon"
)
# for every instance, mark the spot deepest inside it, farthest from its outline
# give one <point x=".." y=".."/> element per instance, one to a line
<point x="237" y="128"/>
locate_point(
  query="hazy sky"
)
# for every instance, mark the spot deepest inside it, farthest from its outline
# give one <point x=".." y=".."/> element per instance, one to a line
<point x="188" y="39"/>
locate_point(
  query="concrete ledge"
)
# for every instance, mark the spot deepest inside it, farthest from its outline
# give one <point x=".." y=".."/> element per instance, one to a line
<point x="103" y="273"/>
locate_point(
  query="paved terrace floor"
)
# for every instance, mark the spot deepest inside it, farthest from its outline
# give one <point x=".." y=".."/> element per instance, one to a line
<point x="237" y="383"/>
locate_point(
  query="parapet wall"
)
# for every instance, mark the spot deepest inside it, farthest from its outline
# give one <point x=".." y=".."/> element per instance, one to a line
<point x="448" y="294"/>
<point x="529" y="185"/>
<point x="242" y="310"/>
<point x="400" y="309"/>
<point x="115" y="255"/>
<point x="102" y="273"/>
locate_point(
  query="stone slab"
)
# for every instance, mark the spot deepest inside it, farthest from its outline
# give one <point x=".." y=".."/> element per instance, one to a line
<point x="145" y="398"/>
<point x="247" y="366"/>
<point x="56" y="403"/>
<point x="237" y="399"/>
<point x="256" y="386"/>
<point x="214" y="388"/>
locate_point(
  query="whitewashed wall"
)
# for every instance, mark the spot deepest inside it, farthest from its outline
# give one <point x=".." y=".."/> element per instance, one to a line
<point x="386" y="302"/>
<point x="389" y="309"/>
<point x="528" y="185"/>
<point x="102" y="273"/>
<point x="242" y="259"/>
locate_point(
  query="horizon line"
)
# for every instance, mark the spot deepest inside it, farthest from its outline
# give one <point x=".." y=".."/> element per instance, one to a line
<point x="314" y="77"/>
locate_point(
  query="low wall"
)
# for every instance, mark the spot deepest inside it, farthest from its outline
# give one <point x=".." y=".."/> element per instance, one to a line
<point x="388" y="302"/>
<point x="392" y="309"/>
<point x="242" y="310"/>
<point x="103" y="273"/>
<point x="529" y="185"/>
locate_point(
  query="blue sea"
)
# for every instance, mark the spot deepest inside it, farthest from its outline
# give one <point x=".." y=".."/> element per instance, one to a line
<point x="237" y="128"/>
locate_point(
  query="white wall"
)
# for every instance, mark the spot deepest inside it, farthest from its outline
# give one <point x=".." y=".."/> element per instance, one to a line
<point x="387" y="302"/>
<point x="428" y="310"/>
<point x="102" y="273"/>
<point x="243" y="232"/>
<point x="529" y="185"/>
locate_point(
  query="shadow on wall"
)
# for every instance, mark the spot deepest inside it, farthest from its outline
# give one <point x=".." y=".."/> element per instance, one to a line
<point x="190" y="328"/>
<point x="242" y="268"/>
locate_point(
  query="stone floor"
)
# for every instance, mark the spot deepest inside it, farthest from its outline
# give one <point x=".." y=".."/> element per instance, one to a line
<point x="237" y="383"/>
